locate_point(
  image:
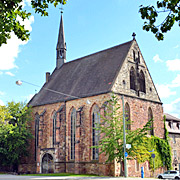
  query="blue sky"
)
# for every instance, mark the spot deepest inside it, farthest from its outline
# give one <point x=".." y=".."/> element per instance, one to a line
<point x="90" y="26"/>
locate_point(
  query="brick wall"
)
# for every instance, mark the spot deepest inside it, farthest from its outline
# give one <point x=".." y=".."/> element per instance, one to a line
<point x="83" y="162"/>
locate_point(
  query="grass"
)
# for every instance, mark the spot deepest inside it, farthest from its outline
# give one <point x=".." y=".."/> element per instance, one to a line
<point x="62" y="174"/>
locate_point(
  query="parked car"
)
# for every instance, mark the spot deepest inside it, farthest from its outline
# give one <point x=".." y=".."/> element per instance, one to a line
<point x="171" y="174"/>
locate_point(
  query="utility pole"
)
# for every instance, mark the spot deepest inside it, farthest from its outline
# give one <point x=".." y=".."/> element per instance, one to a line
<point x="124" y="138"/>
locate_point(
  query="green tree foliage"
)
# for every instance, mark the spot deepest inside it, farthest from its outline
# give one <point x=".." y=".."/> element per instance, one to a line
<point x="12" y="12"/>
<point x="170" y="9"/>
<point x="111" y="139"/>
<point x="14" y="133"/>
<point x="111" y="132"/>
<point x="162" y="151"/>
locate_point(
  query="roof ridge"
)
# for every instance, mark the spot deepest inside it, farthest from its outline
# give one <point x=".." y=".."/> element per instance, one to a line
<point x="84" y="76"/>
<point x="81" y="58"/>
<point x="121" y="65"/>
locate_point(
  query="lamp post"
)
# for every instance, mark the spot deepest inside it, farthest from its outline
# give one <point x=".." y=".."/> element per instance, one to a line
<point x="19" y="83"/>
<point x="124" y="138"/>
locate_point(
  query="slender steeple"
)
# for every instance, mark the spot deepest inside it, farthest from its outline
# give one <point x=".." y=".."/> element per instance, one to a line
<point x="61" y="46"/>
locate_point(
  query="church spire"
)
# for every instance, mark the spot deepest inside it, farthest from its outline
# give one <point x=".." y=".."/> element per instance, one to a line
<point x="61" y="46"/>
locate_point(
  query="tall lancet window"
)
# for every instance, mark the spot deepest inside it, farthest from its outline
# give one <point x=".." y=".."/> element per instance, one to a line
<point x="134" y="56"/>
<point x="127" y="116"/>
<point x="36" y="134"/>
<point x="95" y="132"/>
<point x="142" y="82"/>
<point x="150" y="117"/>
<point x="132" y="79"/>
<point x="54" y="128"/>
<point x="73" y="133"/>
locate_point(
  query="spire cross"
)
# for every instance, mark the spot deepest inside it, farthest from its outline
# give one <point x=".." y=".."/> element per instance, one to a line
<point x="134" y="35"/>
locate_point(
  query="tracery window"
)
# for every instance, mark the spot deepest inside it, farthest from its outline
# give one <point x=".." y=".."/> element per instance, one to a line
<point x="95" y="132"/>
<point x="127" y="116"/>
<point x="132" y="79"/>
<point x="142" y="82"/>
<point x="36" y="134"/>
<point x="150" y="117"/>
<point x="54" y="128"/>
<point x="73" y="133"/>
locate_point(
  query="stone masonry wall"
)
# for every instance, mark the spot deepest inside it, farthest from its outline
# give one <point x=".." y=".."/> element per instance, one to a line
<point x="83" y="162"/>
<point x="139" y="114"/>
<point x="122" y="83"/>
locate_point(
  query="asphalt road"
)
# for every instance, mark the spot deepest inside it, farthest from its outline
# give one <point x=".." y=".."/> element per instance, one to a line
<point x="17" y="177"/>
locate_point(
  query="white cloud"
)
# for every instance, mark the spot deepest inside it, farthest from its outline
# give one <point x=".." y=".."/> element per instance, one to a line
<point x="173" y="108"/>
<point x="9" y="73"/>
<point x="25" y="2"/>
<point x="173" y="65"/>
<point x="176" y="81"/>
<point x="1" y="93"/>
<point x="28" y="98"/>
<point x="176" y="46"/>
<point x="28" y="2"/>
<point x="9" y="52"/>
<point x="1" y="103"/>
<point x="27" y="22"/>
<point x="1" y="72"/>
<point x="164" y="91"/>
<point x="156" y="58"/>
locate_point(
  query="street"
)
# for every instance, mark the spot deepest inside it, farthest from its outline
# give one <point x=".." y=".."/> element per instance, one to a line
<point x="17" y="177"/>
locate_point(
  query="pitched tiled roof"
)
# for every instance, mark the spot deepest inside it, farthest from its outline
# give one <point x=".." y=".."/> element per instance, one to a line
<point x="83" y="77"/>
<point x="171" y="118"/>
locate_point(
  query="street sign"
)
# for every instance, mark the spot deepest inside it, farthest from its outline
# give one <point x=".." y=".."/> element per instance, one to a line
<point x="152" y="150"/>
<point x="128" y="146"/>
<point x="126" y="154"/>
<point x="153" y="155"/>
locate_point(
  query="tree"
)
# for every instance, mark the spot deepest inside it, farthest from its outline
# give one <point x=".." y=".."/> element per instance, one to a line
<point x="14" y="133"/>
<point x="111" y="139"/>
<point x="111" y="135"/>
<point x="170" y="9"/>
<point x="11" y="13"/>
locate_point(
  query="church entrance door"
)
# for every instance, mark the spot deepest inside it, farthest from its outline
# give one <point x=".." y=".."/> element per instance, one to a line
<point x="47" y="163"/>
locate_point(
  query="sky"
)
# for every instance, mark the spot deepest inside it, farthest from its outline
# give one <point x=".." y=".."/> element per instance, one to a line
<point x="90" y="26"/>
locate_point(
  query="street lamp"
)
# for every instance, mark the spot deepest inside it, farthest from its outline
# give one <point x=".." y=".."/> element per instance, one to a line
<point x="19" y="83"/>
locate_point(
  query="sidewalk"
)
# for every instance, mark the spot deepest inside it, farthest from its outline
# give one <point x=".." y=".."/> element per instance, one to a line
<point x="17" y="177"/>
<point x="91" y="178"/>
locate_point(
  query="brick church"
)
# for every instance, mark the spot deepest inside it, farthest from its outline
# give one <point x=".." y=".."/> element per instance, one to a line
<point x="68" y="105"/>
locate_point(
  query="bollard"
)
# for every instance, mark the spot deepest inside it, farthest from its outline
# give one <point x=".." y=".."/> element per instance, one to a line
<point x="142" y="172"/>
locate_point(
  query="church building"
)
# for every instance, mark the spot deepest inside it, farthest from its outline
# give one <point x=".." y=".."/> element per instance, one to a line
<point x="68" y="105"/>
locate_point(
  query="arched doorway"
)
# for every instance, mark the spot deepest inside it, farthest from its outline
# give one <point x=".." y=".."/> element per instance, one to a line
<point x="47" y="163"/>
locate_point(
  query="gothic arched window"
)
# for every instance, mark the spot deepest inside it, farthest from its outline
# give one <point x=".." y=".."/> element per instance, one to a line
<point x="142" y="82"/>
<point x="132" y="79"/>
<point x="150" y="117"/>
<point x="95" y="133"/>
<point x="54" y="128"/>
<point x="36" y="133"/>
<point x="134" y="56"/>
<point x="73" y="133"/>
<point x="127" y="116"/>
